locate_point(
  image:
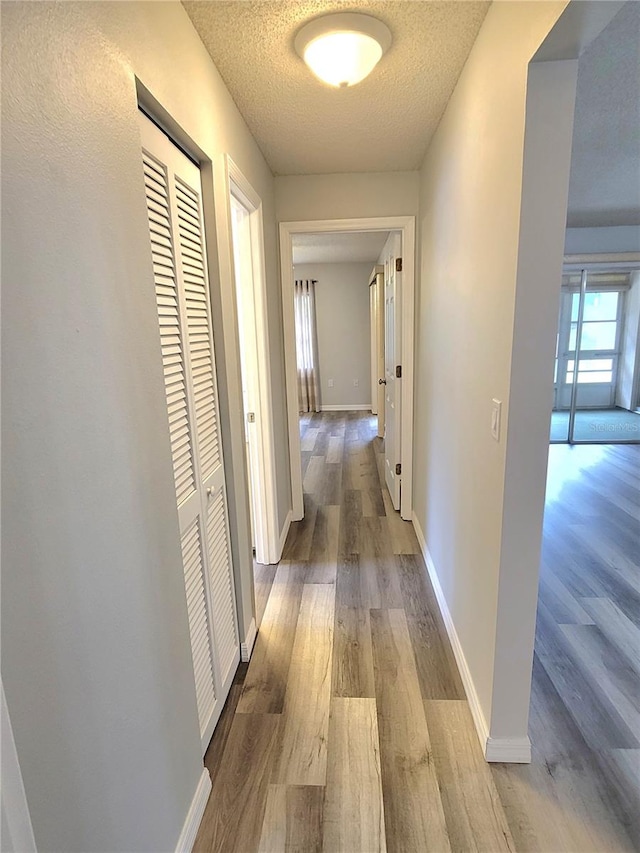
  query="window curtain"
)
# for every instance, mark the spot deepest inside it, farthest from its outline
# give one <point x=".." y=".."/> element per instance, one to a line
<point x="307" y="347"/>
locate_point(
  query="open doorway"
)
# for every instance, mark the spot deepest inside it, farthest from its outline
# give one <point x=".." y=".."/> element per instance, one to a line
<point x="390" y="243"/>
<point x="248" y="262"/>
<point x="599" y="334"/>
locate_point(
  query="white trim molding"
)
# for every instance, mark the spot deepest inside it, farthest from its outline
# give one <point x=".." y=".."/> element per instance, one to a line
<point x="16" y="818"/>
<point x="348" y="407"/>
<point x="284" y="533"/>
<point x="265" y="491"/>
<point x="406" y="225"/>
<point x="515" y="750"/>
<point x="194" y="815"/>
<point x="247" y="646"/>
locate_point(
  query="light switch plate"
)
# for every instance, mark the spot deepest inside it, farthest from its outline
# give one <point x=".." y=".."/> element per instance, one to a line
<point x="330" y="383"/>
<point x="496" y="417"/>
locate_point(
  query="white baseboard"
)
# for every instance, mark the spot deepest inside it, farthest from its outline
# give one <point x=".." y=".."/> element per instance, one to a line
<point x="247" y="647"/>
<point x="194" y="816"/>
<point x="515" y="750"/>
<point x="474" y="703"/>
<point x="284" y="533"/>
<point x="352" y="407"/>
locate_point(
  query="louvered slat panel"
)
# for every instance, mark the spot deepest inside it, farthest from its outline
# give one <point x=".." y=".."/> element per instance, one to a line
<point x="197" y="309"/>
<point x="220" y="584"/>
<point x="198" y="622"/>
<point x="173" y="355"/>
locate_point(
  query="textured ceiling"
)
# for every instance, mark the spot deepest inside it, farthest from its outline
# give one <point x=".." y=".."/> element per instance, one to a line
<point x="305" y="127"/>
<point x="604" y="188"/>
<point x="338" y="248"/>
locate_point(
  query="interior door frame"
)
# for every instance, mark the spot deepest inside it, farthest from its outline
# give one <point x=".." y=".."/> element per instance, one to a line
<point x="406" y="225"/>
<point x="565" y="354"/>
<point x="266" y="498"/>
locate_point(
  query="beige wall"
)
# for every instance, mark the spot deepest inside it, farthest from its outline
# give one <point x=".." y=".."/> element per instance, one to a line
<point x="352" y="196"/>
<point x="470" y="205"/>
<point x="96" y="657"/>
<point x="344" y="343"/>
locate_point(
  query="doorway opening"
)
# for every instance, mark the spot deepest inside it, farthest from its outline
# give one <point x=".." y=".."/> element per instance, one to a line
<point x="248" y="268"/>
<point x="398" y="247"/>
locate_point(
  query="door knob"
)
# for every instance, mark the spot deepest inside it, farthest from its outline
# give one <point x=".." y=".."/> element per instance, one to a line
<point x="382" y="381"/>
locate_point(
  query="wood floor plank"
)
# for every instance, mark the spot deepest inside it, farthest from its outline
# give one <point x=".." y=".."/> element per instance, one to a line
<point x="373" y="503"/>
<point x="305" y="807"/>
<point x="314" y="477"/>
<point x="622" y="770"/>
<point x="352" y="654"/>
<point x="563" y="606"/>
<point x="435" y="663"/>
<point x="354" y="811"/>
<point x="615" y="677"/>
<point x="309" y="439"/>
<point x="266" y="680"/>
<point x="403" y="536"/>
<point x="594" y="712"/>
<point x="217" y="746"/>
<point x="321" y="446"/>
<point x="226" y="828"/>
<point x="298" y="544"/>
<point x="273" y="836"/>
<point x="616" y="627"/>
<point x="350" y="521"/>
<point x="323" y="557"/>
<point x="414" y="816"/>
<point x="303" y="758"/>
<point x="348" y="592"/>
<point x="378" y="572"/>
<point x="335" y="449"/>
<point x="475" y="817"/>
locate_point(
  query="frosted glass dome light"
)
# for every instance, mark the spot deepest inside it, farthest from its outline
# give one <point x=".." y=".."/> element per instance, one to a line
<point x="344" y="48"/>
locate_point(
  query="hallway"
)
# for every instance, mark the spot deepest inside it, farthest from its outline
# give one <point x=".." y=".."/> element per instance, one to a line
<point x="352" y="731"/>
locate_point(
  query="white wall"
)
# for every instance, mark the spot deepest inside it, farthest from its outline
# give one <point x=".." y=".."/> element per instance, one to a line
<point x="351" y="196"/>
<point x="586" y="241"/>
<point x="342" y="318"/>
<point x="629" y="364"/>
<point x="470" y="206"/>
<point x="96" y="660"/>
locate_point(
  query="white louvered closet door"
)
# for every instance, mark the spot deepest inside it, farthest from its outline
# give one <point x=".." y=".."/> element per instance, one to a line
<point x="173" y="192"/>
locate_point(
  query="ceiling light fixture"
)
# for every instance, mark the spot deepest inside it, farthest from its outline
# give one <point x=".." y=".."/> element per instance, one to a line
<point x="344" y="48"/>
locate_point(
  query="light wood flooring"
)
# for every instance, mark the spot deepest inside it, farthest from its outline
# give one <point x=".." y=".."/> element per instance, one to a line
<point x="582" y="790"/>
<point x="350" y="731"/>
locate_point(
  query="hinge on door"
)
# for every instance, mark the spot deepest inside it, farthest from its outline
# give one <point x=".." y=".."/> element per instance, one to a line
<point x="398" y="264"/>
<point x="398" y="469"/>
<point x="398" y="371"/>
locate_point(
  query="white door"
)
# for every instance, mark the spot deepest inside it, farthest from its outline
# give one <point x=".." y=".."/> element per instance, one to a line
<point x="373" y="324"/>
<point x="243" y="266"/>
<point x="380" y="352"/>
<point x="392" y="364"/>
<point x="173" y="193"/>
